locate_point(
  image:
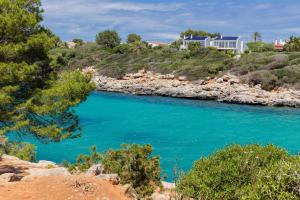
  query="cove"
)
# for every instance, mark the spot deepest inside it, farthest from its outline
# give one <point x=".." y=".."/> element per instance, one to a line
<point x="180" y="130"/>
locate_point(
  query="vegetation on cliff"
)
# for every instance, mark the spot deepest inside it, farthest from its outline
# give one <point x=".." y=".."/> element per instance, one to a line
<point x="263" y="66"/>
<point x="244" y="172"/>
<point x="133" y="163"/>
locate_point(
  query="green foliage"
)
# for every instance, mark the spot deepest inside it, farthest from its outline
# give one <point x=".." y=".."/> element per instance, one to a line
<point x="133" y="163"/>
<point x="194" y="46"/>
<point x="119" y="61"/>
<point x="132" y="38"/>
<point x="260" y="46"/>
<point x="31" y="97"/>
<point x="293" y="44"/>
<point x="22" y="150"/>
<point x="249" y="172"/>
<point x="84" y="162"/>
<point x="108" y="39"/>
<point x="122" y="49"/>
<point x="270" y="69"/>
<point x="189" y="32"/>
<point x="136" y="166"/>
<point x="78" y="42"/>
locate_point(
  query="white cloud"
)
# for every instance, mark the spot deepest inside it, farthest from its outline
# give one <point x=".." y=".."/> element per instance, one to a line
<point x="292" y="30"/>
<point x="67" y="7"/>
<point x="263" y="6"/>
<point x="169" y="36"/>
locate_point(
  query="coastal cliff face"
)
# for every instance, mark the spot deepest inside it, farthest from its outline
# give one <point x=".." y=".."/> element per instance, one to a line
<point x="227" y="88"/>
<point x="46" y="181"/>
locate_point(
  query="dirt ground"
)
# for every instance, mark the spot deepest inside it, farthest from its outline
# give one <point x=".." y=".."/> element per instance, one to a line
<point x="62" y="188"/>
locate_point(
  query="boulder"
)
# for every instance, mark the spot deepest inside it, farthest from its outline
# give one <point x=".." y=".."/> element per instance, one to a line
<point x="226" y="78"/>
<point x="182" y="78"/>
<point x="219" y="80"/>
<point x="130" y="192"/>
<point x="46" y="164"/>
<point x="95" y="170"/>
<point x="112" y="178"/>
<point x="137" y="75"/>
<point x="40" y="172"/>
<point x="167" y="76"/>
<point x="10" y="177"/>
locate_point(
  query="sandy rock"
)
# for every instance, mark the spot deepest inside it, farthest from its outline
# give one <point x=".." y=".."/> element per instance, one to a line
<point x="182" y="78"/>
<point x="10" y="177"/>
<point x="167" y="76"/>
<point x="40" y="172"/>
<point x="219" y="80"/>
<point x="159" y="196"/>
<point x="130" y="192"/>
<point x="47" y="164"/>
<point x="113" y="178"/>
<point x="95" y="170"/>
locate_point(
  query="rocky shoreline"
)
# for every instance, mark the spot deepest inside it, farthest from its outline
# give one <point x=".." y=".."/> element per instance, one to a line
<point x="227" y="88"/>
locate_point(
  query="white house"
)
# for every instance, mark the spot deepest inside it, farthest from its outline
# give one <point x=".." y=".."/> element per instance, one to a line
<point x="224" y="43"/>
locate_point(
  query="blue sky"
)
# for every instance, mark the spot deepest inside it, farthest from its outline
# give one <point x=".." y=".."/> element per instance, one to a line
<point x="165" y="19"/>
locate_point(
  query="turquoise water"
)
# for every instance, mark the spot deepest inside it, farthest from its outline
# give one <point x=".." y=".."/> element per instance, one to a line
<point x="181" y="131"/>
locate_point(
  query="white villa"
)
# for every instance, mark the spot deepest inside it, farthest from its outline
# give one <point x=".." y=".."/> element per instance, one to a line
<point x="221" y="43"/>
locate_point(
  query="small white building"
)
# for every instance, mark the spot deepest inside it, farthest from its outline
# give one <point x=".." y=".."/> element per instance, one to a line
<point x="224" y="43"/>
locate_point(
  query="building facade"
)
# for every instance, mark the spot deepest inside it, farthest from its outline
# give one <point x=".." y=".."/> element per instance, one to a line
<point x="222" y="43"/>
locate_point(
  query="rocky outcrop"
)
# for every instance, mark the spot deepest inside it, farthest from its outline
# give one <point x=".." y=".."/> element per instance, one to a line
<point x="227" y="88"/>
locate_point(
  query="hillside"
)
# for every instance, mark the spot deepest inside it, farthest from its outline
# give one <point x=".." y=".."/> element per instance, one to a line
<point x="270" y="69"/>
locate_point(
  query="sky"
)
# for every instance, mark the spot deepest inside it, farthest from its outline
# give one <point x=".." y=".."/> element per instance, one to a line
<point x="163" y="20"/>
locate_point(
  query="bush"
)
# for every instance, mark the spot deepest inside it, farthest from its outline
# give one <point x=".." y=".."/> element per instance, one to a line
<point x="238" y="172"/>
<point x="84" y="162"/>
<point x="260" y="47"/>
<point x="133" y="163"/>
<point x="22" y="150"/>
<point x="122" y="49"/>
<point x="276" y="182"/>
<point x="108" y="39"/>
<point x="266" y="79"/>
<point x="132" y="38"/>
<point x="136" y="166"/>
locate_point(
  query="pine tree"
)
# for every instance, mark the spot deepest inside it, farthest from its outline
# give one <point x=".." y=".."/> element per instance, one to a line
<point x="34" y="97"/>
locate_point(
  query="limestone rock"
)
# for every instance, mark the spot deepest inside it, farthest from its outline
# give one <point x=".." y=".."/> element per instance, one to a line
<point x="182" y="78"/>
<point x="159" y="196"/>
<point x="95" y="170"/>
<point x="113" y="178"/>
<point x="130" y="192"/>
<point x="40" y="172"/>
<point x="227" y="88"/>
<point x="46" y="164"/>
<point x="10" y="177"/>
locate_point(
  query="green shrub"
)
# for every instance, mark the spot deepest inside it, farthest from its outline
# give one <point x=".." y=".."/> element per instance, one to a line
<point x="266" y="79"/>
<point x="276" y="182"/>
<point x="295" y="61"/>
<point x="136" y="166"/>
<point x="22" y="150"/>
<point x="122" y="49"/>
<point x="84" y="162"/>
<point x="133" y="163"/>
<point x="238" y="172"/>
<point x="260" y="47"/>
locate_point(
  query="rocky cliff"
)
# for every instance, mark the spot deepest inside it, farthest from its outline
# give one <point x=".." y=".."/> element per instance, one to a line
<point x="227" y="88"/>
